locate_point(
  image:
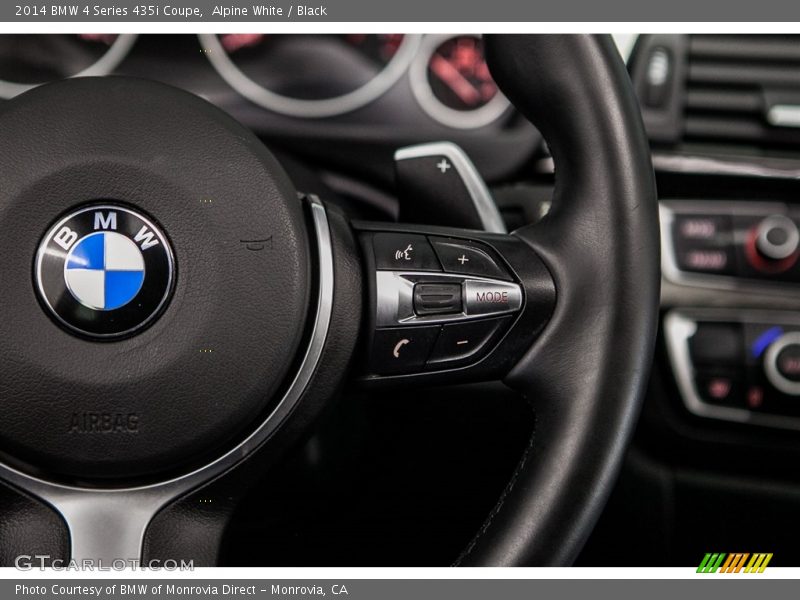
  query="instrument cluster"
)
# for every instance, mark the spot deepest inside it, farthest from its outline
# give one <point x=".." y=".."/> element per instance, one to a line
<point x="298" y="76"/>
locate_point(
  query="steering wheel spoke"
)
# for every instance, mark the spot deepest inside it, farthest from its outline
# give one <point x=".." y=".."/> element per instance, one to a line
<point x="449" y="305"/>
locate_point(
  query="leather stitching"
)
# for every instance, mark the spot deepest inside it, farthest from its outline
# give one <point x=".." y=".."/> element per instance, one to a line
<point x="504" y="496"/>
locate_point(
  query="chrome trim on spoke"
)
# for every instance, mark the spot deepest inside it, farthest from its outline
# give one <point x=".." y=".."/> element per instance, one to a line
<point x="395" y="297"/>
<point x="109" y="524"/>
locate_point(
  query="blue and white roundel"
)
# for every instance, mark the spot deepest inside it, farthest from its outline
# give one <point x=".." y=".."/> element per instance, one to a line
<point x="104" y="270"/>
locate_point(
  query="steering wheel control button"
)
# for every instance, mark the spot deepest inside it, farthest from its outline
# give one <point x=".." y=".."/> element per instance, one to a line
<point x="402" y="350"/>
<point x="467" y="258"/>
<point x="483" y="297"/>
<point x="437" y="298"/>
<point x="464" y="343"/>
<point x="418" y="297"/>
<point x="402" y="251"/>
<point x="104" y="271"/>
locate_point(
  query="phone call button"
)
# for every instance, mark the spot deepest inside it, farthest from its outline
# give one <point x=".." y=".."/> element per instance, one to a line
<point x="402" y="349"/>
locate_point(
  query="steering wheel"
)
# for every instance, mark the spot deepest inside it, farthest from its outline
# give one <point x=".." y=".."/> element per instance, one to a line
<point x="177" y="315"/>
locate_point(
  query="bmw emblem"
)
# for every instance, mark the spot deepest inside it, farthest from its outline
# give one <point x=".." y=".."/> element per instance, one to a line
<point x="104" y="271"/>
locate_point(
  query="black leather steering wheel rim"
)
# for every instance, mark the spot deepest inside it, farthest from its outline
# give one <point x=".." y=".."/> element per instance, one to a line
<point x="586" y="374"/>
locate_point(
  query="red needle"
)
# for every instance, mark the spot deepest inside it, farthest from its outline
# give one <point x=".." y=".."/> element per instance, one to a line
<point x="455" y="80"/>
<point x="235" y="41"/>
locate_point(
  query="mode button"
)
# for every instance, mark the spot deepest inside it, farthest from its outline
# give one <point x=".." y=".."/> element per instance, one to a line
<point x="491" y="297"/>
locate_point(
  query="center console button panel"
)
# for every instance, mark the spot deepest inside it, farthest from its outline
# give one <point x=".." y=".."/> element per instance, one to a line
<point x="730" y="244"/>
<point x="703" y="243"/>
<point x="737" y="365"/>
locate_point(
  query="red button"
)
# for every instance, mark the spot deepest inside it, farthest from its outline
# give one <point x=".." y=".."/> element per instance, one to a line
<point x="719" y="388"/>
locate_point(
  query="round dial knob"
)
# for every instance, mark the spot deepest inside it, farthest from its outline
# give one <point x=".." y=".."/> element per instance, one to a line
<point x="777" y="237"/>
<point x="782" y="363"/>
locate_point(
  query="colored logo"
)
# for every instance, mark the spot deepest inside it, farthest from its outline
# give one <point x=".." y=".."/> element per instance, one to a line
<point x="719" y="562"/>
<point x="104" y="271"/>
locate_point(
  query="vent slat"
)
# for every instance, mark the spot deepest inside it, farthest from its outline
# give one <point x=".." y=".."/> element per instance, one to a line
<point x="723" y="100"/>
<point x="745" y="48"/>
<point x="748" y="131"/>
<point x="713" y="127"/>
<point x="730" y="81"/>
<point x="744" y="75"/>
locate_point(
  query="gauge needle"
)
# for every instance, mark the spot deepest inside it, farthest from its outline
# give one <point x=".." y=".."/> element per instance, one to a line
<point x="455" y="80"/>
<point x="235" y="41"/>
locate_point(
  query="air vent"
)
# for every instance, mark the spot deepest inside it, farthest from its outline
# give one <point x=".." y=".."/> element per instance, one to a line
<point x="732" y="93"/>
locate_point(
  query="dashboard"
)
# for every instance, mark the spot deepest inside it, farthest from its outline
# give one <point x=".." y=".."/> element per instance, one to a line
<point x="718" y="434"/>
<point x="720" y="113"/>
<point x="331" y="100"/>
